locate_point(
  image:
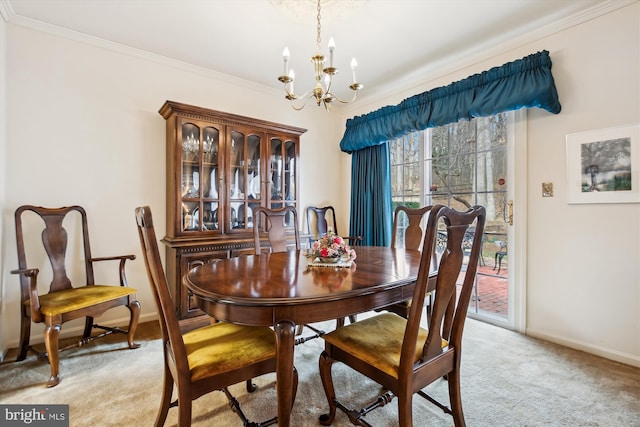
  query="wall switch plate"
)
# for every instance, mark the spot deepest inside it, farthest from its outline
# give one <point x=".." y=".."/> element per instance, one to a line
<point x="547" y="189"/>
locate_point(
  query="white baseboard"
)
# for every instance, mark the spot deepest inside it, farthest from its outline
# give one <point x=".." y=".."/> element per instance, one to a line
<point x="607" y="353"/>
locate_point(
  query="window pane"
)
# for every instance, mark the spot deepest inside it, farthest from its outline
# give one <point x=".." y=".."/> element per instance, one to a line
<point x="492" y="132"/>
<point x="396" y="180"/>
<point x="412" y="147"/>
<point x="492" y="170"/>
<point x="463" y="137"/>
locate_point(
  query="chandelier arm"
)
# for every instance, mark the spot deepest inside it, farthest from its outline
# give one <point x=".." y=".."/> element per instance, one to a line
<point x="292" y="95"/>
<point x="301" y="106"/>
<point x="342" y="101"/>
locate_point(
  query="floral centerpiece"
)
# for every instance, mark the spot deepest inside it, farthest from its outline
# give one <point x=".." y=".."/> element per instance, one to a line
<point x="331" y="248"/>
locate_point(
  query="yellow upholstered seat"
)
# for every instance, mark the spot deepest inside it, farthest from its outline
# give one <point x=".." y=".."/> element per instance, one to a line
<point x="60" y="302"/>
<point x="225" y="347"/>
<point x="377" y="341"/>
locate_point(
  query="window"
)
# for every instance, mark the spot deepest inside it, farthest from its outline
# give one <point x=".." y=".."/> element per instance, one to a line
<point x="460" y="165"/>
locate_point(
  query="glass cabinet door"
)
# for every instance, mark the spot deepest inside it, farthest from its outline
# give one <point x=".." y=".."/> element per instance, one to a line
<point x="200" y="169"/>
<point x="245" y="189"/>
<point x="210" y="179"/>
<point x="282" y="177"/>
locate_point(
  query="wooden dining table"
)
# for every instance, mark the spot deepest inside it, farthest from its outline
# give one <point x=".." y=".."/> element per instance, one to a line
<point x="282" y="290"/>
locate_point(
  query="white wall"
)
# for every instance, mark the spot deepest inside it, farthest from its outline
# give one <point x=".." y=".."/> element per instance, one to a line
<point x="82" y="127"/>
<point x="583" y="261"/>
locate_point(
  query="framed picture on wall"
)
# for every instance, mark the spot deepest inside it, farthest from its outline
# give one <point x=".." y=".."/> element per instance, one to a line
<point x="603" y="166"/>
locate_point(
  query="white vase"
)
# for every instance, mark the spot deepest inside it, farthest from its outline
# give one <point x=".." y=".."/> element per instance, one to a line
<point x="213" y="192"/>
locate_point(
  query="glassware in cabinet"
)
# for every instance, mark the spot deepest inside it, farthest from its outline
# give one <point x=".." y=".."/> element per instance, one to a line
<point x="245" y="180"/>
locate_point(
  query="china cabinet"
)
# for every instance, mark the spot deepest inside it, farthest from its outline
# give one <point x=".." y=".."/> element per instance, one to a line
<point x="220" y="166"/>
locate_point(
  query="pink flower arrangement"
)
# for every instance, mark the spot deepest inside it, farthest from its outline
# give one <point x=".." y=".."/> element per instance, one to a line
<point x="331" y="246"/>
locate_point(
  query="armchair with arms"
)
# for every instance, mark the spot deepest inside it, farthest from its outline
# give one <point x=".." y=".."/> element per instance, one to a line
<point x="64" y="301"/>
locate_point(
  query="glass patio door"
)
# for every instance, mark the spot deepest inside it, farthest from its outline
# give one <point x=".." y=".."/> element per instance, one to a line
<point x="461" y="165"/>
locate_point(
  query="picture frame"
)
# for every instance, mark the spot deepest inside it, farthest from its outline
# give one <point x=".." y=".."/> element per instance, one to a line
<point x="603" y="166"/>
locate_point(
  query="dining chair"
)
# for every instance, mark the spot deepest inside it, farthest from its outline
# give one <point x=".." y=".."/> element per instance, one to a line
<point x="320" y="220"/>
<point x="408" y="227"/>
<point x="65" y="300"/>
<point x="277" y="221"/>
<point x="321" y="226"/>
<point x="206" y="359"/>
<point x="276" y="224"/>
<point x="398" y="353"/>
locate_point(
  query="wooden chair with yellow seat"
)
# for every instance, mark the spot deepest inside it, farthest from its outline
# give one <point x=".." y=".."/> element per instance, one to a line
<point x="318" y="224"/>
<point x="64" y="302"/>
<point x="398" y="353"/>
<point x="208" y="358"/>
<point x="276" y="224"/>
<point x="408" y="221"/>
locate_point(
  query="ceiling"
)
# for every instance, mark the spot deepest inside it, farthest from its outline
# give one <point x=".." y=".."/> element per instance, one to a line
<point x="392" y="40"/>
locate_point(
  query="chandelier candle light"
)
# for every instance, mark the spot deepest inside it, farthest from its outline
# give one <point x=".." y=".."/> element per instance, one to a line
<point x="324" y="77"/>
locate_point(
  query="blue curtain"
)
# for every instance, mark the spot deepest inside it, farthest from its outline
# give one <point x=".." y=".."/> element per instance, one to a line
<point x="524" y="83"/>
<point x="371" y="215"/>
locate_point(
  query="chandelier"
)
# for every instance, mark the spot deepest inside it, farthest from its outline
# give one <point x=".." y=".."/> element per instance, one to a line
<point x="324" y="77"/>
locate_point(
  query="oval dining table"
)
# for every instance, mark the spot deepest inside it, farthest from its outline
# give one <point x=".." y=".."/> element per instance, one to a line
<point x="283" y="290"/>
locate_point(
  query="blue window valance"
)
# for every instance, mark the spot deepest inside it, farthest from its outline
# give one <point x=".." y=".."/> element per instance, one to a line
<point x="524" y="83"/>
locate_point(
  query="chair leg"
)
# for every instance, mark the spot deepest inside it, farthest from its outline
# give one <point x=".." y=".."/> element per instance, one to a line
<point x="340" y="322"/>
<point x="405" y="414"/>
<point x="165" y="402"/>
<point x="455" y="398"/>
<point x="295" y="386"/>
<point x="134" y="308"/>
<point x="25" y="333"/>
<point x="327" y="382"/>
<point x="51" y="337"/>
<point x="184" y="408"/>
<point x="88" y="326"/>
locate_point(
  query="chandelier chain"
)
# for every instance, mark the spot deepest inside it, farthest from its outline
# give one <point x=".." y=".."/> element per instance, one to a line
<point x="318" y="40"/>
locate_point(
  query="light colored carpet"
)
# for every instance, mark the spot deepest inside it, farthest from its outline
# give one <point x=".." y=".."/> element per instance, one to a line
<point x="507" y="380"/>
